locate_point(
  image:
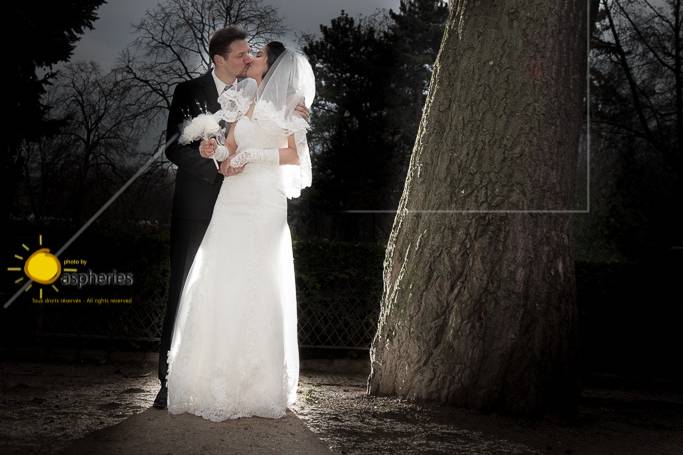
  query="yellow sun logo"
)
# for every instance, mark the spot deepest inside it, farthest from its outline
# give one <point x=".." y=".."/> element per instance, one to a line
<point x="41" y="267"/>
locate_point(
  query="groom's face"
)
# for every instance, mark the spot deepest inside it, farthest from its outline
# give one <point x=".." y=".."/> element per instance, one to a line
<point x="237" y="58"/>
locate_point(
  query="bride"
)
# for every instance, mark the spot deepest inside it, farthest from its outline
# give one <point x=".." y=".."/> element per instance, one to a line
<point x="234" y="351"/>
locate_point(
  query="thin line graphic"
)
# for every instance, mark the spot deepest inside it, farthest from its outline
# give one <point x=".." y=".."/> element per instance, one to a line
<point x="140" y="171"/>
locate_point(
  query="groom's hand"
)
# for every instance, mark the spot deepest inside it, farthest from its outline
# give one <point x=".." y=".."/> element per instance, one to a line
<point x="208" y="148"/>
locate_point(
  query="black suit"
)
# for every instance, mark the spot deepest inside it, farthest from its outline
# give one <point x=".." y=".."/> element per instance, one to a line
<point x="196" y="188"/>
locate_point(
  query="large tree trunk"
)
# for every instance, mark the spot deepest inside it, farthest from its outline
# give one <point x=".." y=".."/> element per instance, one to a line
<point x="479" y="309"/>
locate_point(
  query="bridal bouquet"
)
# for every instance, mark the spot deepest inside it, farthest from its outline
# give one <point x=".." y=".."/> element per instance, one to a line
<point x="203" y="126"/>
<point x="234" y="103"/>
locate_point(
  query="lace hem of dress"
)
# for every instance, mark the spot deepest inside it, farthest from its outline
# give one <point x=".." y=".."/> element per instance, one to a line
<point x="222" y="404"/>
<point x="217" y="413"/>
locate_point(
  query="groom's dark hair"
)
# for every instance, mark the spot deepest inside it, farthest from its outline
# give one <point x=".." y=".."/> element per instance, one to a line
<point x="222" y="39"/>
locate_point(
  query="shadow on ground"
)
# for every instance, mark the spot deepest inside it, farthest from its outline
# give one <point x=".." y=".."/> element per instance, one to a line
<point x="55" y="406"/>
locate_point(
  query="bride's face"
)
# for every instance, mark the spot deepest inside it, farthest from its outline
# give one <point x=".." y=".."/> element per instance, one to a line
<point x="259" y="64"/>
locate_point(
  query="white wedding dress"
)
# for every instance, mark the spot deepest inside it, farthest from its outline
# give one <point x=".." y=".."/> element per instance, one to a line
<point x="234" y="351"/>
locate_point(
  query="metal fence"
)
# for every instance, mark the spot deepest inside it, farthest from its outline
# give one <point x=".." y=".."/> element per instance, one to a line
<point x="338" y="282"/>
<point x="332" y="327"/>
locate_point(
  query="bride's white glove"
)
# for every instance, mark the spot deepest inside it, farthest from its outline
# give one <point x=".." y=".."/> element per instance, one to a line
<point x="268" y="156"/>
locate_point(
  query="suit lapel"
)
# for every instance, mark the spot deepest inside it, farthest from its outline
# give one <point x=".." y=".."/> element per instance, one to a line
<point x="209" y="87"/>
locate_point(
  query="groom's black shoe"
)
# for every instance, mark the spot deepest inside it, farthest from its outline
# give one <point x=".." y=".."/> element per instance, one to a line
<point x="160" y="400"/>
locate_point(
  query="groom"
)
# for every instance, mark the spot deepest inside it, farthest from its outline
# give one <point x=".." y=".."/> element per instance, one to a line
<point x="197" y="180"/>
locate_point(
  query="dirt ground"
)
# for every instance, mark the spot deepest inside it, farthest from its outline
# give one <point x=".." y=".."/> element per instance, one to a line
<point x="47" y="405"/>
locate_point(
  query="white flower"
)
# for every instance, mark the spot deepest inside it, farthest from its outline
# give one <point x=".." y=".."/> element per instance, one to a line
<point x="236" y="100"/>
<point x="202" y="126"/>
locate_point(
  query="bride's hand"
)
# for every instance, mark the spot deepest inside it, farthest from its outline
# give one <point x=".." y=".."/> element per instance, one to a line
<point x="228" y="170"/>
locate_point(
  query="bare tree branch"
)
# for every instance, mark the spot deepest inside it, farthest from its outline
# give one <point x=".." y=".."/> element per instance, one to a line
<point x="172" y="45"/>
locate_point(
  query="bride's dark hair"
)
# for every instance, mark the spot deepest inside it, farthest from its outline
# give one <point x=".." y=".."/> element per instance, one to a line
<point x="273" y="49"/>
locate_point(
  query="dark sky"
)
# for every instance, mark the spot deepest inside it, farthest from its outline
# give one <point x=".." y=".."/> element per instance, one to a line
<point x="113" y="28"/>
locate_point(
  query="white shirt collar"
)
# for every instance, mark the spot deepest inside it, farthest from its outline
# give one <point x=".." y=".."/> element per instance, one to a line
<point x="220" y="85"/>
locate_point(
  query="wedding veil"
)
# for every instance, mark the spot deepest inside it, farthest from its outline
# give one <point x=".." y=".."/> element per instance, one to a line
<point x="289" y="81"/>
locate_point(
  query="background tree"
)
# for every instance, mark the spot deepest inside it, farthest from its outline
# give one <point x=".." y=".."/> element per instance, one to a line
<point x="367" y="108"/>
<point x="172" y="43"/>
<point x="414" y="35"/>
<point x="96" y="149"/>
<point x="351" y="148"/>
<point x="109" y="124"/>
<point x="49" y="34"/>
<point x="637" y="85"/>
<point x="478" y="309"/>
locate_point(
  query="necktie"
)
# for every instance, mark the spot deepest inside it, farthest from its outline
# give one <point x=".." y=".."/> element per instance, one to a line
<point x="223" y="123"/>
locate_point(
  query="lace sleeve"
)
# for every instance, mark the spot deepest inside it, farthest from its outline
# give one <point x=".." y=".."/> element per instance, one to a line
<point x="296" y="177"/>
